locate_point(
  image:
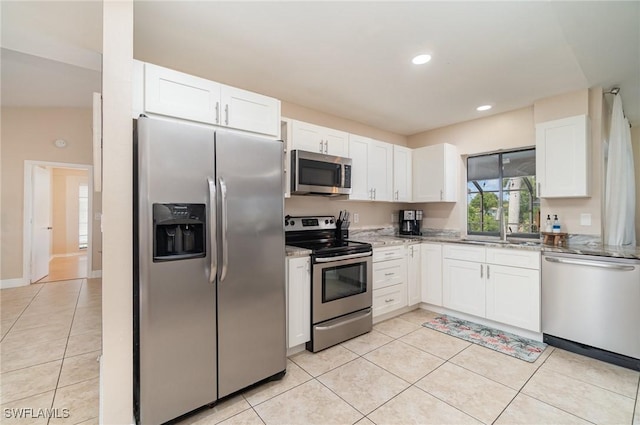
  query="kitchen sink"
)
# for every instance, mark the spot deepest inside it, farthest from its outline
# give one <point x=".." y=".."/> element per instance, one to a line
<point x="501" y="242"/>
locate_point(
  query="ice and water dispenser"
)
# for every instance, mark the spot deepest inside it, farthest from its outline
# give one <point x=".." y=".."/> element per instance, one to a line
<point x="178" y="231"/>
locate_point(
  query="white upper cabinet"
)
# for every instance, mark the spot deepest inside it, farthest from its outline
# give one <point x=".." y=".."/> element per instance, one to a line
<point x="402" y="177"/>
<point x="163" y="91"/>
<point x="563" y="157"/>
<point x="315" y="138"/>
<point x="372" y="169"/>
<point x="176" y="94"/>
<point x="435" y="173"/>
<point x="250" y="111"/>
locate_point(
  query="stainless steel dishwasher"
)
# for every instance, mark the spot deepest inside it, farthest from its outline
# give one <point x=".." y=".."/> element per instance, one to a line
<point x="591" y="305"/>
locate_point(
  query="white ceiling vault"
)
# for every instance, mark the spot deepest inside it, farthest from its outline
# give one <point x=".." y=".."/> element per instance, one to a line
<point x="353" y="59"/>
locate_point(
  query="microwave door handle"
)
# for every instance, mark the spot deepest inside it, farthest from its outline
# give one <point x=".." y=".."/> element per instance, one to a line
<point x="225" y="242"/>
<point x="213" y="271"/>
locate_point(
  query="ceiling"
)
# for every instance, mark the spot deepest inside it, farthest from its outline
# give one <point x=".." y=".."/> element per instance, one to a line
<point x="353" y="59"/>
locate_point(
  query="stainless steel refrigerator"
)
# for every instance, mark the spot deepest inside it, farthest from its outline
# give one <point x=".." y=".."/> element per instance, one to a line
<point x="209" y="292"/>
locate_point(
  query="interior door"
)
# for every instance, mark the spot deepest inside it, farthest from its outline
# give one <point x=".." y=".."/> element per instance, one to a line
<point x="41" y="223"/>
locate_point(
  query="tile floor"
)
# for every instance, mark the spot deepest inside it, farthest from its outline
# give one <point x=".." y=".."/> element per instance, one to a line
<point x="66" y="268"/>
<point x="51" y="339"/>
<point x="400" y="373"/>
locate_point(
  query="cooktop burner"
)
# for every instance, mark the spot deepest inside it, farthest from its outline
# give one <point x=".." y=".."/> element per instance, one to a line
<point x="318" y="233"/>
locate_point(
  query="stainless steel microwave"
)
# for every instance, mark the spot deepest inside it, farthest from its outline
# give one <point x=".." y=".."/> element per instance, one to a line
<point x="319" y="174"/>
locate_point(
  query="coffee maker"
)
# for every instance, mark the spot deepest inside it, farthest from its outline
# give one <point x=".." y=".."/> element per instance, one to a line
<point x="410" y="222"/>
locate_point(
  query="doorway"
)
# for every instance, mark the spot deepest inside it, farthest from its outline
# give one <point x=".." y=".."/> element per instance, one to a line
<point x="58" y="209"/>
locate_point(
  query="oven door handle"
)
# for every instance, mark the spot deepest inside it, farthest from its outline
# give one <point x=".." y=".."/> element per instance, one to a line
<point x="360" y="316"/>
<point x="343" y="257"/>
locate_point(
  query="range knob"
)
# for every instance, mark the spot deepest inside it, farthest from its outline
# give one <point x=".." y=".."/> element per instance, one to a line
<point x="286" y="222"/>
<point x="331" y="221"/>
<point x="327" y="221"/>
<point x="292" y="222"/>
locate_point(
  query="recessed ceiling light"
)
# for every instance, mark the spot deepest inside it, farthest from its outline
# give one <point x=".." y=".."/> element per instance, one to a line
<point x="483" y="108"/>
<point x="421" y="59"/>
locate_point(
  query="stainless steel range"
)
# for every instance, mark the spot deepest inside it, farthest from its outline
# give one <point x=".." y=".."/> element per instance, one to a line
<point x="341" y="294"/>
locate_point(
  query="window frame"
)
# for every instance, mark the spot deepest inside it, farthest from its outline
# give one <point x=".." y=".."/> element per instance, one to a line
<point x="531" y="188"/>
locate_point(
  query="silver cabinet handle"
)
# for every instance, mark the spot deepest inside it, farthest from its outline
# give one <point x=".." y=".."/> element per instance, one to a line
<point x="590" y="264"/>
<point x="370" y="193"/>
<point x="441" y="194"/>
<point x="321" y="146"/>
<point x="342" y="257"/>
<point x="326" y="146"/>
<point x="374" y="193"/>
<point x="481" y="273"/>
<point x="212" y="230"/>
<point x="223" y="213"/>
<point x="488" y="272"/>
<point x="397" y="195"/>
<point x="539" y="187"/>
<point x="226" y="114"/>
<point x="389" y="274"/>
<point x="388" y="300"/>
<point x="217" y="112"/>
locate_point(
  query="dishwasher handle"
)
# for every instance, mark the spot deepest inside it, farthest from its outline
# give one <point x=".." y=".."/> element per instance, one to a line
<point x="602" y="265"/>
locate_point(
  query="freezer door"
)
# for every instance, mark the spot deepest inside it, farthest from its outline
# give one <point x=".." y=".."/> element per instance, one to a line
<point x="251" y="264"/>
<point x="176" y="307"/>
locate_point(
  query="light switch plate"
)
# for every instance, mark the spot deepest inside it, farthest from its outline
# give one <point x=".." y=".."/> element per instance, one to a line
<point x="585" y="219"/>
<point x="356" y="218"/>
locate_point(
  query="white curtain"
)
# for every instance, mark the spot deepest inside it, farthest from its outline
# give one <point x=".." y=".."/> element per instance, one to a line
<point x="620" y="200"/>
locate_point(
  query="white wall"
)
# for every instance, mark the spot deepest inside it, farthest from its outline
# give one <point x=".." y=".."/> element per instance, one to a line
<point x="116" y="377"/>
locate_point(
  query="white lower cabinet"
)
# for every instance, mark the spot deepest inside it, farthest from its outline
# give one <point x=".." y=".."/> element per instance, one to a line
<point x="388" y="299"/>
<point x="513" y="296"/>
<point x="499" y="284"/>
<point x="298" y="301"/>
<point x="414" y="281"/>
<point x="463" y="286"/>
<point x="431" y="273"/>
<point x="389" y="279"/>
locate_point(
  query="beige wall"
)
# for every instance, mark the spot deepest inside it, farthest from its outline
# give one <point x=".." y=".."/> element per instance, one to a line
<point x="28" y="134"/>
<point x="291" y="110"/>
<point x="372" y="214"/>
<point x="509" y="130"/>
<point x="64" y="210"/>
<point x="516" y="129"/>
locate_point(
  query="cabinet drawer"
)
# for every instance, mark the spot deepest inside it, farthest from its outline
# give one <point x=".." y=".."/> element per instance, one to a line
<point x="388" y="253"/>
<point x="464" y="252"/>
<point x="388" y="273"/>
<point x="389" y="299"/>
<point x="514" y="257"/>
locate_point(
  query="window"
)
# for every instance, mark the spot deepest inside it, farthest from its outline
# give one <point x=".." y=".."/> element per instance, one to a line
<point x="501" y="193"/>
<point x="83" y="216"/>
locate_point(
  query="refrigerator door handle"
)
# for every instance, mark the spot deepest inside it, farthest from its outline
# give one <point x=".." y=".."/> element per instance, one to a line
<point x="212" y="226"/>
<point x="223" y="213"/>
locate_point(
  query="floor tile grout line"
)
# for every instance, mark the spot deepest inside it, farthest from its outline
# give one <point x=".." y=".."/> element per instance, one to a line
<point x="635" y="405"/>
<point x="65" y="350"/>
<point x="543" y="401"/>
<point x="22" y="312"/>
<point x="589" y="383"/>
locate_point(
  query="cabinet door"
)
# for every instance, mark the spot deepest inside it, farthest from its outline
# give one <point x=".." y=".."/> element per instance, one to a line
<point x="298" y="301"/>
<point x="336" y="142"/>
<point x="402" y="184"/>
<point x="307" y="137"/>
<point x="414" y="269"/>
<point x="381" y="170"/>
<point x="359" y="154"/>
<point x="435" y="173"/>
<point x="389" y="273"/>
<point x="563" y="157"/>
<point x="250" y="111"/>
<point x="431" y="273"/>
<point x="180" y="95"/>
<point x="388" y="299"/>
<point x="513" y="296"/>
<point x="463" y="286"/>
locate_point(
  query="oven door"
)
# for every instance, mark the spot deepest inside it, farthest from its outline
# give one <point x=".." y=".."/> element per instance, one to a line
<point x="341" y="286"/>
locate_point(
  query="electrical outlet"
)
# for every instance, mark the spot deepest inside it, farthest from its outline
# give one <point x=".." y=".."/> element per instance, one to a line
<point x="356" y="218"/>
<point x="394" y="218"/>
<point x="585" y="219"/>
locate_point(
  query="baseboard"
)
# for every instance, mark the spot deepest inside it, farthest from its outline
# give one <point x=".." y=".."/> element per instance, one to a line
<point x="69" y="254"/>
<point x="13" y="283"/>
<point x="95" y="274"/>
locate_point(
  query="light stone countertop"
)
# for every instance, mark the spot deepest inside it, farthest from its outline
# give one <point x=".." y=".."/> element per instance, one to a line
<point x="294" y="251"/>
